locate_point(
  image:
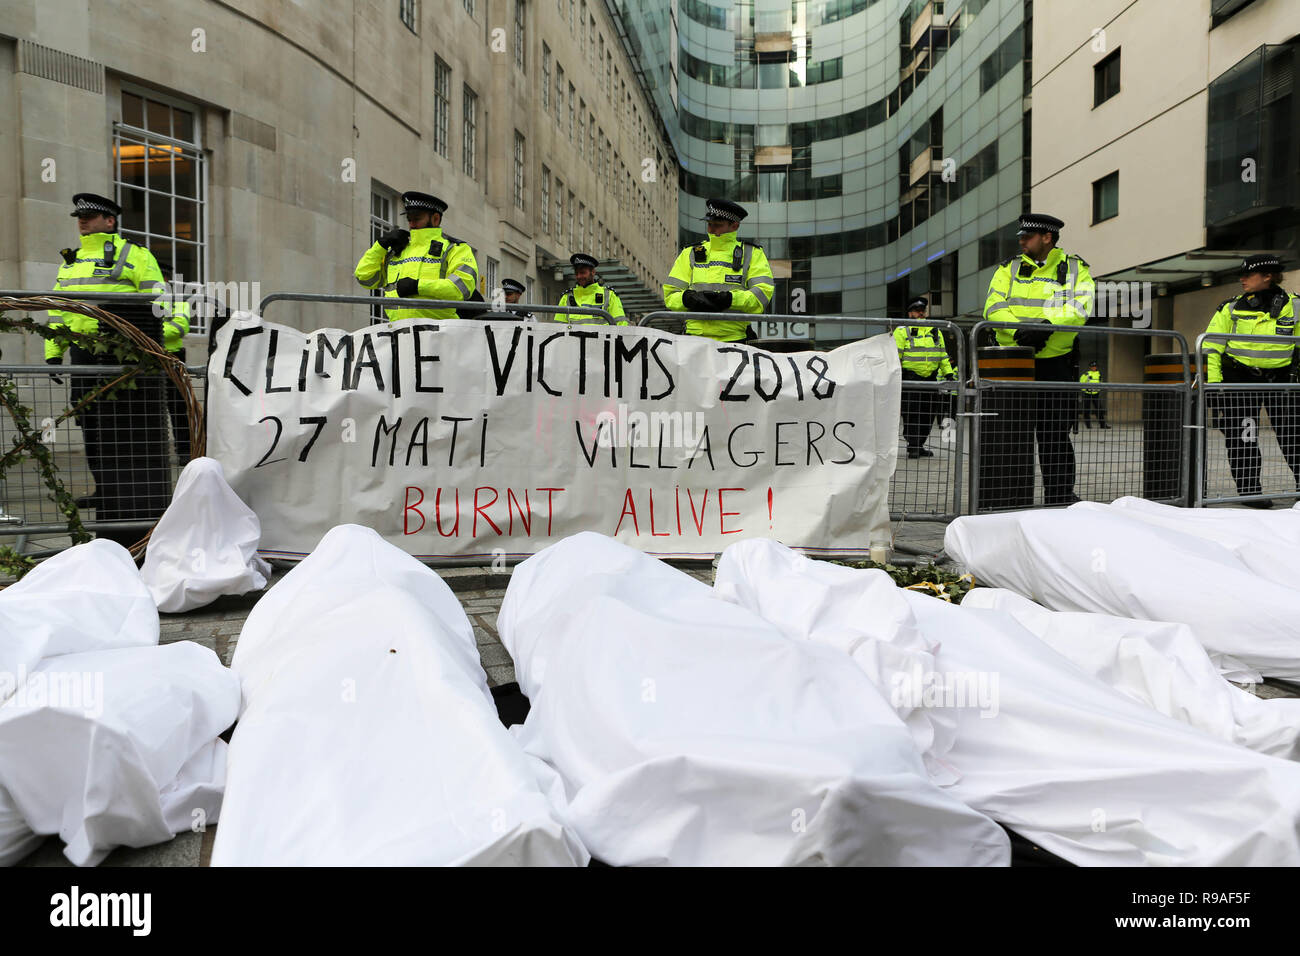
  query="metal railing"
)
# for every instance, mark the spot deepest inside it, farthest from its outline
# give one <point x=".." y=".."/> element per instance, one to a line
<point x="127" y="450"/>
<point x="1244" y="455"/>
<point x="389" y="302"/>
<point x="1005" y="472"/>
<point x="927" y="487"/>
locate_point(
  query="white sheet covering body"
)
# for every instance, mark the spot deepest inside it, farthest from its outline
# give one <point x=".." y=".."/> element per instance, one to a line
<point x="1113" y="561"/>
<point x="114" y="747"/>
<point x="368" y="735"/>
<point x="89" y="597"/>
<point x="688" y="732"/>
<point x="1160" y="664"/>
<point x="1073" y="765"/>
<point x="205" y="544"/>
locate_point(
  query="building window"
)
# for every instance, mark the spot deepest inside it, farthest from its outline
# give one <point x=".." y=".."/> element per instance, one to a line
<point x="591" y="139"/>
<point x="470" y="130"/>
<point x="546" y="201"/>
<point x="519" y="171"/>
<point x="469" y="6"/>
<point x="582" y="128"/>
<point x="383" y="217"/>
<point x="441" y="105"/>
<point x="1105" y="198"/>
<point x="490" y="279"/>
<point x="519" y="34"/>
<point x="559" y="212"/>
<point x="546" y="78"/>
<point x="582" y="228"/>
<point x="573" y="205"/>
<point x="559" y="95"/>
<point x="572" y="98"/>
<point x="1105" y="79"/>
<point x="160" y="180"/>
<point x="408" y="10"/>
<point x="582" y="28"/>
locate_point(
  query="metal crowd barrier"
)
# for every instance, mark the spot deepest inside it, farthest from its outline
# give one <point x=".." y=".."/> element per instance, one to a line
<point x="129" y="450"/>
<point x="373" y="301"/>
<point x="1029" y="449"/>
<point x="926" y="488"/>
<point x="1245" y="455"/>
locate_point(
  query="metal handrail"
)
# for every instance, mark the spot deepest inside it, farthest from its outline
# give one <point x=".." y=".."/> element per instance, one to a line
<point x="390" y="302"/>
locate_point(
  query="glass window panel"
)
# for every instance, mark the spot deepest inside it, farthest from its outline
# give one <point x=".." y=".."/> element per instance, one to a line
<point x="160" y="168"/>
<point x="186" y="182"/>
<point x="187" y="219"/>
<point x="163" y="251"/>
<point x="184" y="124"/>
<point x="132" y="110"/>
<point x="158" y="117"/>
<point x="160" y="213"/>
<point x="132" y="203"/>
<point x="130" y="157"/>
<point x="187" y="260"/>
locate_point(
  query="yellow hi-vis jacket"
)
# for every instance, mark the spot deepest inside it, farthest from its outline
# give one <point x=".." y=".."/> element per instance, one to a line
<point x="444" y="268"/>
<point x="1270" y="312"/>
<point x="921" y="350"/>
<point x="177" y="324"/>
<point x="1091" y="376"/>
<point x="722" y="263"/>
<point x="594" y="296"/>
<point x="1059" y="291"/>
<point x="105" y="262"/>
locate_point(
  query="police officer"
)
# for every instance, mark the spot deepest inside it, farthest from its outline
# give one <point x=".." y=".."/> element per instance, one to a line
<point x="723" y="273"/>
<point x="511" y="290"/>
<point x="1092" y="403"/>
<point x="924" y="358"/>
<point x="103" y="262"/>
<point x="587" y="293"/>
<point x="1045" y="284"/>
<point x="1263" y="308"/>
<point x="421" y="263"/>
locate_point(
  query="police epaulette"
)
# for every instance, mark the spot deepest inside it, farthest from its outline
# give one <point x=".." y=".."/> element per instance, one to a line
<point x="1082" y="261"/>
<point x="749" y="242"/>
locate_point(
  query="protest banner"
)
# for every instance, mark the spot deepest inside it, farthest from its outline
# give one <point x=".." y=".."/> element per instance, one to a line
<point x="481" y="439"/>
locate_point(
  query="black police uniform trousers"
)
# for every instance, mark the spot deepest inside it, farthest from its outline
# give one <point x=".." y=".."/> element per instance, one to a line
<point x="1053" y="414"/>
<point x="920" y="407"/>
<point x="1092" y="405"/>
<point x="1239" y="419"/>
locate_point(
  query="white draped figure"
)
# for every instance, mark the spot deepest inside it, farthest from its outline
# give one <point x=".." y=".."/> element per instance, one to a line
<point x="1049" y="751"/>
<point x="368" y="736"/>
<point x="686" y="731"/>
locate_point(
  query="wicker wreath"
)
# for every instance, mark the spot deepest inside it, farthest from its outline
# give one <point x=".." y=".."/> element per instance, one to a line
<point x="132" y="336"/>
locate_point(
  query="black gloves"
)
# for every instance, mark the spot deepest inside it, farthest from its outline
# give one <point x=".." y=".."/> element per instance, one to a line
<point x="706" y="301"/>
<point x="394" y="241"/>
<point x="55" y="361"/>
<point x="1032" y="338"/>
<point x="408" y="288"/>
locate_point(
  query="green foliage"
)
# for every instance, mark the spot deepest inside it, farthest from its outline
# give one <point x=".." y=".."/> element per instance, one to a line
<point x="924" y="578"/>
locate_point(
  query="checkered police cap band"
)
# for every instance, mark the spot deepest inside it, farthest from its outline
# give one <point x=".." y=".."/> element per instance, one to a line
<point x="88" y="207"/>
<point x="1261" y="264"/>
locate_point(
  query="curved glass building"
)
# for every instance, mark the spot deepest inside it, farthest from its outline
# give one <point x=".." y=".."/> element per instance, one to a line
<point x="880" y="145"/>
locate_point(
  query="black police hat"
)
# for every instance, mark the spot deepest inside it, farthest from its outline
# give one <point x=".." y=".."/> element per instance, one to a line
<point x="724" y="209"/>
<point x="1261" y="263"/>
<point x="917" y="305"/>
<point x="1039" y="222"/>
<point x="1092" y="365"/>
<point x="90" y="205"/>
<point x="582" y="259"/>
<point x="414" y="200"/>
<point x="513" y="285"/>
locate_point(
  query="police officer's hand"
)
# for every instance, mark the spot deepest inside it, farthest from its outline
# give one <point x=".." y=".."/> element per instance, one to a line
<point x="394" y="241"/>
<point x="721" y="301"/>
<point x="696" y="301"/>
<point x="55" y="361"/>
<point x="408" y="288"/>
<point x="1032" y="338"/>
